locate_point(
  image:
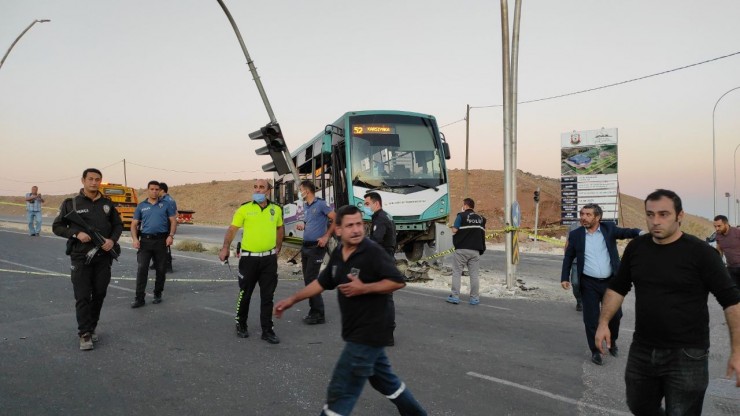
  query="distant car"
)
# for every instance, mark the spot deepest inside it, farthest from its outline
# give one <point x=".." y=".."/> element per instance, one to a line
<point x="712" y="240"/>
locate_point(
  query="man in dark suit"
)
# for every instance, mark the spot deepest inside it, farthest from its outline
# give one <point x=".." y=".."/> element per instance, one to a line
<point x="594" y="247"/>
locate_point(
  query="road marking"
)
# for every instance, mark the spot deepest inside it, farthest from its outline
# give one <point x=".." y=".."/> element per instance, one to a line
<point x="547" y="394"/>
<point x="442" y="298"/>
<point x="218" y="311"/>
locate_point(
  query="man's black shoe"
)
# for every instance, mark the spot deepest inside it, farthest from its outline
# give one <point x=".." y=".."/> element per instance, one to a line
<point x="596" y="358"/>
<point x="157" y="299"/>
<point x="137" y="303"/>
<point x="579" y="307"/>
<point x="313" y="319"/>
<point x="241" y="331"/>
<point x="270" y="337"/>
<point x="614" y="350"/>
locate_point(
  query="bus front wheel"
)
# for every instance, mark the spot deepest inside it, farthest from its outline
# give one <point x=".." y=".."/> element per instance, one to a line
<point x="413" y="250"/>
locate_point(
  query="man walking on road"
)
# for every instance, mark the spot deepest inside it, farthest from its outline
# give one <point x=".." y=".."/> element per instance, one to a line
<point x="158" y="227"/>
<point x="33" y="211"/>
<point x="673" y="274"/>
<point x="364" y="276"/>
<point x="90" y="275"/>
<point x="728" y="243"/>
<point x="262" y="240"/>
<point x="383" y="232"/>
<point x="594" y="247"/>
<point x="318" y="218"/>
<point x="469" y="240"/>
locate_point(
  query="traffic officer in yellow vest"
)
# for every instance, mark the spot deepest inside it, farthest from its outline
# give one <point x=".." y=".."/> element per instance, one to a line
<point x="262" y="239"/>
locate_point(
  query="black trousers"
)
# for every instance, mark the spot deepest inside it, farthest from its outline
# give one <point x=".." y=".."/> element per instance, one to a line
<point x="90" y="285"/>
<point x="735" y="275"/>
<point x="311" y="259"/>
<point x="253" y="270"/>
<point x="592" y="293"/>
<point x="151" y="248"/>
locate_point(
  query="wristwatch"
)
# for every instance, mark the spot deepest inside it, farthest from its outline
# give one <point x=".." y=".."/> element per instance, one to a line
<point x="172" y="236"/>
<point x="74" y="235"/>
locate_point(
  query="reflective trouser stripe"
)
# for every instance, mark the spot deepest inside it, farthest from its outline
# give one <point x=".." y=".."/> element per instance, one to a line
<point x="397" y="392"/>
<point x="238" y="303"/>
<point x="328" y="412"/>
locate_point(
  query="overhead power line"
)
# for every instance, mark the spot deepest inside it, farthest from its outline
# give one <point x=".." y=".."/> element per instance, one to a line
<point x="605" y="86"/>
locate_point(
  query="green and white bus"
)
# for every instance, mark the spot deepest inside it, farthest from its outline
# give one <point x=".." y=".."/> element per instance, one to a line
<point x="401" y="155"/>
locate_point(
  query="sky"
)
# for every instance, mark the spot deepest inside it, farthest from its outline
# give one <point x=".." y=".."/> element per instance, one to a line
<point x="164" y="85"/>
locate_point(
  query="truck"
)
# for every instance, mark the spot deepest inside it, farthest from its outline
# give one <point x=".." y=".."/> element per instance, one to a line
<point x="125" y="199"/>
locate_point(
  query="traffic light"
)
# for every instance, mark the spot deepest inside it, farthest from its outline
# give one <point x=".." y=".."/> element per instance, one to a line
<point x="273" y="136"/>
<point x="536" y="196"/>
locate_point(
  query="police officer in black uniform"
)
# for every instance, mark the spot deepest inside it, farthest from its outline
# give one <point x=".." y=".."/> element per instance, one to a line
<point x="90" y="274"/>
<point x="383" y="232"/>
<point x="469" y="239"/>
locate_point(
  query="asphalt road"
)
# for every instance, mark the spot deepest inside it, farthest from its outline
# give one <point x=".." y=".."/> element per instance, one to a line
<point x="504" y="357"/>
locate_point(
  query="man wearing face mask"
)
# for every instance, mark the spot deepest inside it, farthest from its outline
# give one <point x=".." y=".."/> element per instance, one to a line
<point x="317" y="227"/>
<point x="469" y="239"/>
<point x="262" y="240"/>
<point x="383" y="232"/>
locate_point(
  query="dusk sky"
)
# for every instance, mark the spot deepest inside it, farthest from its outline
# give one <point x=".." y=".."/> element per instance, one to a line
<point x="164" y="84"/>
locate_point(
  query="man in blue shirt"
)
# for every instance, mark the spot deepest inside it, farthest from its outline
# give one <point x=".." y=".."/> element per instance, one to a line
<point x="164" y="196"/>
<point x="594" y="247"/>
<point x="33" y="211"/>
<point x="318" y="218"/>
<point x="158" y="227"/>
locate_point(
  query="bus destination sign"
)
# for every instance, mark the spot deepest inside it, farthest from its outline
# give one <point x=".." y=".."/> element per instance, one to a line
<point x="359" y="129"/>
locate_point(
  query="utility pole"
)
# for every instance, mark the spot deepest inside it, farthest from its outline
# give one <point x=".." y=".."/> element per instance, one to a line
<point x="467" y="147"/>
<point x="125" y="180"/>
<point x="509" y="61"/>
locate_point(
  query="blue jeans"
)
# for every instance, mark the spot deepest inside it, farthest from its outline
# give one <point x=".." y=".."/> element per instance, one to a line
<point x="359" y="363"/>
<point x="34" y="222"/>
<point x="680" y="375"/>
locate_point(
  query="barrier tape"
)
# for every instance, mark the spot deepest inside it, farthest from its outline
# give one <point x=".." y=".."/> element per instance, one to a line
<point x="23" y="205"/>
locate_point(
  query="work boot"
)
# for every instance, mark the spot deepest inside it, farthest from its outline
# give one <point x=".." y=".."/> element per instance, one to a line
<point x="241" y="330"/>
<point x="314" y="318"/>
<point x="86" y="343"/>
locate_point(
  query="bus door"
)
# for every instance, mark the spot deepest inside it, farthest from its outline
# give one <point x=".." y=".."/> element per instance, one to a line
<point x="339" y="175"/>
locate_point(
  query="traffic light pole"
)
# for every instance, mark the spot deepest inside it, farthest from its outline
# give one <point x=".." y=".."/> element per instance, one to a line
<point x="261" y="89"/>
<point x="536" y="213"/>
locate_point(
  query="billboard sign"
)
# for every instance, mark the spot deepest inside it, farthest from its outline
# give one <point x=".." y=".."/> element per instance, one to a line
<point x="588" y="173"/>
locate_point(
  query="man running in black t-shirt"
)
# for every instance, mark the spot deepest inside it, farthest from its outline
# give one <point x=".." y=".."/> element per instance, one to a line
<point x="365" y="276"/>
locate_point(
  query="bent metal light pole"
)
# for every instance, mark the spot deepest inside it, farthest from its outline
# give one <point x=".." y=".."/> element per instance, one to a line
<point x="19" y="38"/>
<point x="714" y="156"/>
<point x="253" y="70"/>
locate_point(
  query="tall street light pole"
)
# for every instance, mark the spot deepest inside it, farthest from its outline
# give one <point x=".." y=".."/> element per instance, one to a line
<point x="19" y="38"/>
<point x="714" y="155"/>
<point x="509" y="61"/>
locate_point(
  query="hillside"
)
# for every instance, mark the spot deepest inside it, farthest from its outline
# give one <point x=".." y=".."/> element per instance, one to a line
<point x="214" y="202"/>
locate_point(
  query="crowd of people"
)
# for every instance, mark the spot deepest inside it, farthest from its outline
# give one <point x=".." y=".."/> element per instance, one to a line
<point x="672" y="274"/>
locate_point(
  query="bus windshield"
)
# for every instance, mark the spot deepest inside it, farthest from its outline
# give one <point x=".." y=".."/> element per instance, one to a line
<point x="399" y="152"/>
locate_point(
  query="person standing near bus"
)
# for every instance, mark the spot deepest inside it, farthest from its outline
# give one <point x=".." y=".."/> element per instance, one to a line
<point x="262" y="239"/>
<point x="33" y="211"/>
<point x="317" y="227"/>
<point x="383" y="232"/>
<point x="158" y="227"/>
